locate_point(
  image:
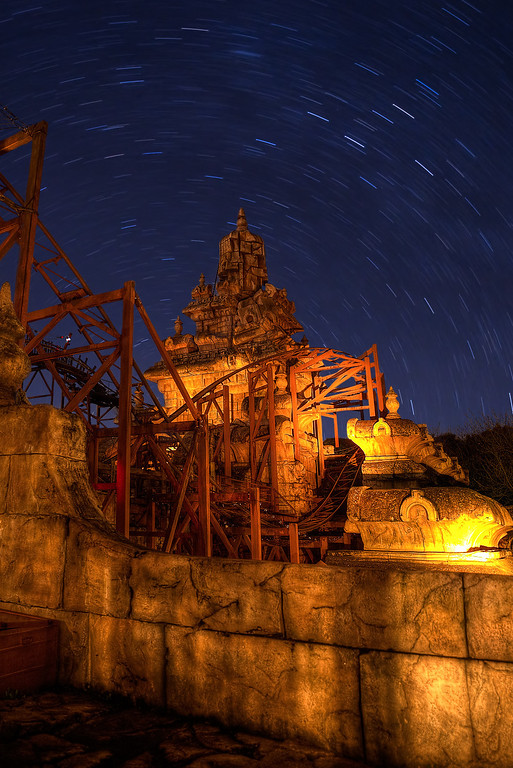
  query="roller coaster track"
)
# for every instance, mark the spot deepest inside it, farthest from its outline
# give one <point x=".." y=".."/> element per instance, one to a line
<point x="341" y="472"/>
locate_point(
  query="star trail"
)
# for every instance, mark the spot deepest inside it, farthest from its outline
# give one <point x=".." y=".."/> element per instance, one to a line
<point x="369" y="143"/>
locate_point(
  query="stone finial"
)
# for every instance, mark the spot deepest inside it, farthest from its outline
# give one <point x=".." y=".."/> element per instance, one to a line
<point x="242" y="224"/>
<point x="392" y="404"/>
<point x="14" y="363"/>
<point x="178" y="326"/>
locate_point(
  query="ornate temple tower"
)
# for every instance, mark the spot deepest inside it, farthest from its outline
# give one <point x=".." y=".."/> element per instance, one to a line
<point x="242" y="320"/>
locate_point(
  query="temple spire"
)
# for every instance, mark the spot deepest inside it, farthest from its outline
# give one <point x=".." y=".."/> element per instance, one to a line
<point x="242" y="224"/>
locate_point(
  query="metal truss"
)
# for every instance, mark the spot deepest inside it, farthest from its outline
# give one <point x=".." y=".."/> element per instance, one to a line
<point x="168" y="480"/>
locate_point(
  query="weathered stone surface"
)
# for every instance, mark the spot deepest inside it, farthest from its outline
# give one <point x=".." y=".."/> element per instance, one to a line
<point x="490" y="687"/>
<point x="97" y="572"/>
<point x="127" y="657"/>
<point x="32" y="559"/>
<point x="270" y="686"/>
<point x="362" y="608"/>
<point x="415" y="711"/>
<point x="225" y="595"/>
<point x="489" y="610"/>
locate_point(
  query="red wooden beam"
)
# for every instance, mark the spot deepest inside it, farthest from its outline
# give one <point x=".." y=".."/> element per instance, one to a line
<point x="28" y="221"/>
<point x="227" y="432"/>
<point x="125" y="412"/>
<point x="256" y="524"/>
<point x="84" y="302"/>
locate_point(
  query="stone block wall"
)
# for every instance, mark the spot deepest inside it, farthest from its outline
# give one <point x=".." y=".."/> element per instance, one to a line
<point x="394" y="667"/>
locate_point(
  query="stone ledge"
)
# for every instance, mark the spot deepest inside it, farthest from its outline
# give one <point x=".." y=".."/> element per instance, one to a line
<point x="226" y="595"/>
<point x="409" y="612"/>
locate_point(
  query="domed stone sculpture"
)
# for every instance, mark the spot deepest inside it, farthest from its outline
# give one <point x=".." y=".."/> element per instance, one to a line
<point x="398" y="451"/>
<point x="396" y="510"/>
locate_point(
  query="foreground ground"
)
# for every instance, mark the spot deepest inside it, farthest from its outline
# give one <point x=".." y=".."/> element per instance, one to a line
<point x="73" y="729"/>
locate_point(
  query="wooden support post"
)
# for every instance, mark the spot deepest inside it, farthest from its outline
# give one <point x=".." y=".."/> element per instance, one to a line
<point x="335" y="430"/>
<point x="320" y="436"/>
<point x="205" y="543"/>
<point x="256" y="527"/>
<point x="320" y="447"/>
<point x="295" y="418"/>
<point x="294" y="542"/>
<point x="252" y="430"/>
<point x="324" y="546"/>
<point x="380" y="381"/>
<point x="226" y="431"/>
<point x="125" y="412"/>
<point x="272" y="429"/>
<point x="28" y="222"/>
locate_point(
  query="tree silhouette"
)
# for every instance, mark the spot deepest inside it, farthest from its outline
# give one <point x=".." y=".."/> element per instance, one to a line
<point x="485" y="447"/>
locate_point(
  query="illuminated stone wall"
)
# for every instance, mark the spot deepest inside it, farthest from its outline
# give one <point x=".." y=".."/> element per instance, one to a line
<point x="404" y="668"/>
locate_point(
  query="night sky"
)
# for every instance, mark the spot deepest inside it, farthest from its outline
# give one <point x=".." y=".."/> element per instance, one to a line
<point x="369" y="142"/>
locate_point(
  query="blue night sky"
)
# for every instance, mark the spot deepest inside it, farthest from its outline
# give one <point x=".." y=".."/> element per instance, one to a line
<point x="369" y="142"/>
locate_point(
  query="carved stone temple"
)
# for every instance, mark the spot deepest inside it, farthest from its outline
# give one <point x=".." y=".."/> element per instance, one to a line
<point x="412" y="499"/>
<point x="242" y="319"/>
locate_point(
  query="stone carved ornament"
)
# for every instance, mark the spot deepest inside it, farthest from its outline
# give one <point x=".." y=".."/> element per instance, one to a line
<point x="14" y="363"/>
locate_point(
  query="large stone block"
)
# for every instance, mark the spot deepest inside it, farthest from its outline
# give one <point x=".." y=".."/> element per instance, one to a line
<point x="41" y="430"/>
<point x="408" y="611"/>
<point x="127" y="657"/>
<point x="97" y="571"/>
<point x="415" y="711"/>
<point x="278" y="688"/>
<point x="489" y="610"/>
<point x="43" y="469"/>
<point x="32" y="552"/>
<point x="49" y="485"/>
<point x="490" y="687"/>
<point x="225" y="595"/>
